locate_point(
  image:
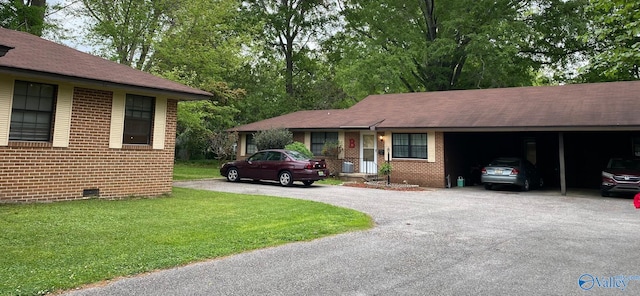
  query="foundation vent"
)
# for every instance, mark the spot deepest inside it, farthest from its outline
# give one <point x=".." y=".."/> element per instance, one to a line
<point x="94" y="192"/>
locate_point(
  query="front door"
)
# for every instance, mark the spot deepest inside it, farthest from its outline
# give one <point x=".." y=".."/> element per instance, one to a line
<point x="368" y="152"/>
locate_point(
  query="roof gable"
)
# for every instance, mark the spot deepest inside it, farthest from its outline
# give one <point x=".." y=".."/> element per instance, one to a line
<point x="32" y="54"/>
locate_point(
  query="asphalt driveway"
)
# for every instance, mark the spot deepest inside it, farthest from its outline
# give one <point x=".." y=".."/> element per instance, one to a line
<point x="460" y="241"/>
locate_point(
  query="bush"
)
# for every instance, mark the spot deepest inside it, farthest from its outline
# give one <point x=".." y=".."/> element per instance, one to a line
<point x="331" y="148"/>
<point x="385" y="169"/>
<point x="275" y="138"/>
<point x="297" y="146"/>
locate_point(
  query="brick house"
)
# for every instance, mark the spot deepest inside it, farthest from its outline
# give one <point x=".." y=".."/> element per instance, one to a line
<point x="568" y="131"/>
<point x="76" y="126"/>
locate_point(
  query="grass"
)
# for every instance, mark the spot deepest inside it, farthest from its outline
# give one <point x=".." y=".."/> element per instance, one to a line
<point x="195" y="170"/>
<point x="48" y="247"/>
<point x="206" y="169"/>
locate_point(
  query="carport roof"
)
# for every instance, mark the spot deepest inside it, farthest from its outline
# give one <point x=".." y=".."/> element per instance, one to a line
<point x="596" y="106"/>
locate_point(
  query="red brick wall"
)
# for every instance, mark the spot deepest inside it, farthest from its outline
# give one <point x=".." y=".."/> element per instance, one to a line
<point x="298" y="137"/>
<point x="352" y="149"/>
<point x="39" y="172"/>
<point x="423" y="173"/>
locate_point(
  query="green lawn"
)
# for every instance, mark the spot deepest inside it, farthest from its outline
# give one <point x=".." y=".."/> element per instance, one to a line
<point x="195" y="170"/>
<point x="206" y="169"/>
<point x="47" y="247"/>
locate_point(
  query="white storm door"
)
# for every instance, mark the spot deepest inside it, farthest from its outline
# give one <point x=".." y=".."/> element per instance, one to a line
<point x="368" y="152"/>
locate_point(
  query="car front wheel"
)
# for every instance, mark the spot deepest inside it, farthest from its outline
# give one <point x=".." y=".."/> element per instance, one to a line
<point x="285" y="178"/>
<point x="232" y="175"/>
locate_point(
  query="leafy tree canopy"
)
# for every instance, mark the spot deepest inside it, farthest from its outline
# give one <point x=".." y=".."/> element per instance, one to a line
<point x="615" y="53"/>
<point x="24" y="15"/>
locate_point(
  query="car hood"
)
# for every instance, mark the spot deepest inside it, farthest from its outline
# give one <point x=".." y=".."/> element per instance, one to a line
<point x="623" y="172"/>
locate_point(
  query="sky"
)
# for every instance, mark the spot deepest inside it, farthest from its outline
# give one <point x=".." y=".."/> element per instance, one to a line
<point x="70" y="23"/>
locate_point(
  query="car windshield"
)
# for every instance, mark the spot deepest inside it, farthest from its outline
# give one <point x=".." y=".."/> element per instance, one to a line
<point x="505" y="162"/>
<point x="628" y="164"/>
<point x="297" y="155"/>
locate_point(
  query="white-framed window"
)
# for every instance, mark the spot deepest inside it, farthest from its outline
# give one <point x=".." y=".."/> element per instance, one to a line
<point x="32" y="112"/>
<point x="409" y="145"/>
<point x="138" y="119"/>
<point x="250" y="147"/>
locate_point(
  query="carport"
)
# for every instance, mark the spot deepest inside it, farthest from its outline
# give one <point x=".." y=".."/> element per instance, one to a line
<point x="565" y="159"/>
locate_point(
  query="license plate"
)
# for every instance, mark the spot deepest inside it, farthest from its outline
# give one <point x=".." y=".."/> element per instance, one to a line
<point x="320" y="173"/>
<point x="498" y="172"/>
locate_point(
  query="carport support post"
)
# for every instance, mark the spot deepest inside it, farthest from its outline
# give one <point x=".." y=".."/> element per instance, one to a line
<point x="563" y="179"/>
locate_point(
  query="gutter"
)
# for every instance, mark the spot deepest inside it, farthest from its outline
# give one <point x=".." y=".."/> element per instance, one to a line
<point x="105" y="85"/>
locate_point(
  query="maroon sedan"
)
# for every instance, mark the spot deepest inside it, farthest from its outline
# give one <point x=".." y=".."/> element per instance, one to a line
<point x="284" y="166"/>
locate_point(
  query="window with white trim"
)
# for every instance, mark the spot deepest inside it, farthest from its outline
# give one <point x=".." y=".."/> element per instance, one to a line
<point x="32" y="111"/>
<point x="409" y="146"/>
<point x="251" y="147"/>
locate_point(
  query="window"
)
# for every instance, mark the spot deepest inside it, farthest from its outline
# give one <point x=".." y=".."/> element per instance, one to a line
<point x="251" y="145"/>
<point x="32" y="112"/>
<point x="409" y="146"/>
<point x="318" y="140"/>
<point x="274" y="156"/>
<point x="138" y="118"/>
<point x="258" y="156"/>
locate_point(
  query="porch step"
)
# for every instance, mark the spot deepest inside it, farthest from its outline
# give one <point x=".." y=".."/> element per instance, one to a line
<point x="358" y="177"/>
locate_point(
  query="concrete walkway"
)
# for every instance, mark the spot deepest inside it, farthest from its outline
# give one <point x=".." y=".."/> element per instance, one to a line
<point x="460" y="241"/>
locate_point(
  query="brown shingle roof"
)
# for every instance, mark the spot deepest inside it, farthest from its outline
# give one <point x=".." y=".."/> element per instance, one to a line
<point x="612" y="105"/>
<point x="34" y="55"/>
<point x="310" y="119"/>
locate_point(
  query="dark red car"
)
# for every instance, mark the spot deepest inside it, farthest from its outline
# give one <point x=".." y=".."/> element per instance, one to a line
<point x="622" y="175"/>
<point x="284" y="166"/>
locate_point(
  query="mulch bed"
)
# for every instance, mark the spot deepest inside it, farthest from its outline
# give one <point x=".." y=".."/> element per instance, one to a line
<point x="395" y="187"/>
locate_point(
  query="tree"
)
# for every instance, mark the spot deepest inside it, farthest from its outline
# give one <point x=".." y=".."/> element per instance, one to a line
<point x="23" y="15"/>
<point x="615" y="35"/>
<point x="223" y="144"/>
<point x="424" y="45"/>
<point x="126" y="30"/>
<point x="209" y="44"/>
<point x="292" y="27"/>
<point x="200" y="124"/>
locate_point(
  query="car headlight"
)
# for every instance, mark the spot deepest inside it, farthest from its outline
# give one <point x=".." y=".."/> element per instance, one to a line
<point x="607" y="175"/>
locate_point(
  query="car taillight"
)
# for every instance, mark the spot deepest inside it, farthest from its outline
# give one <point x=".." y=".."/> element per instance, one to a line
<point x="309" y="166"/>
<point x="484" y="171"/>
<point x="514" y="171"/>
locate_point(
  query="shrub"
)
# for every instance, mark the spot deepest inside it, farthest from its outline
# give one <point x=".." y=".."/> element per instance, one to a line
<point x="331" y="148"/>
<point x="385" y="169"/>
<point x="300" y="147"/>
<point x="275" y="138"/>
